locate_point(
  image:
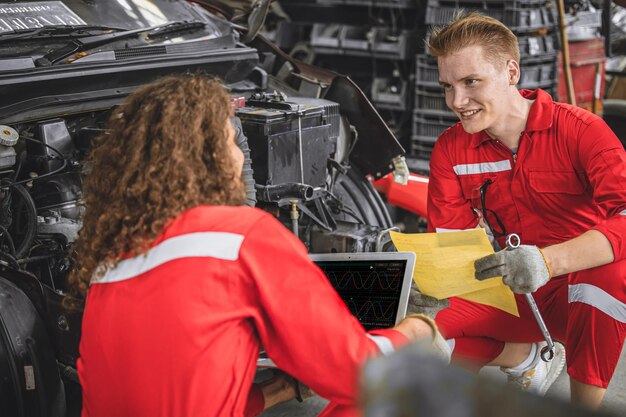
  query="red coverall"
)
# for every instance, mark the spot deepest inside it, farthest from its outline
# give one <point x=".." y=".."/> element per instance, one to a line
<point x="177" y="332"/>
<point x="569" y="176"/>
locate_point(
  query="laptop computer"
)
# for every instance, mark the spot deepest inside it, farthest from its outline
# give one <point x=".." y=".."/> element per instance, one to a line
<point x="374" y="285"/>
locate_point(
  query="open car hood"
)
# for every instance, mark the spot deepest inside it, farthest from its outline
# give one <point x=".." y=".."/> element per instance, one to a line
<point x="249" y="14"/>
<point x="233" y="10"/>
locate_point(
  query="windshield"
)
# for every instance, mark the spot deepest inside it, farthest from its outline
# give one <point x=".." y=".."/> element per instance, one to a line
<point x="31" y="26"/>
<point x="126" y="14"/>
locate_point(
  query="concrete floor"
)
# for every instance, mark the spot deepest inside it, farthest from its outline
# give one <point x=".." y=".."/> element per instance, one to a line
<point x="615" y="400"/>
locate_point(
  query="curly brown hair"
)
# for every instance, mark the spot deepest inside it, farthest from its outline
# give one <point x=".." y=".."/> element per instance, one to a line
<point x="166" y="151"/>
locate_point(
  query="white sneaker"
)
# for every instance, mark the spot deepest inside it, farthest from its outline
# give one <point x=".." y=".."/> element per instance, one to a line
<point x="539" y="375"/>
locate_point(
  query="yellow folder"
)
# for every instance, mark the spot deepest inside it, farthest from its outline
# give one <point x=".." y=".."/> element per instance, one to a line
<point x="445" y="267"/>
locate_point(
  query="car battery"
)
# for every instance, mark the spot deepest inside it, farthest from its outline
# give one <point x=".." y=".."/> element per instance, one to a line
<point x="291" y="139"/>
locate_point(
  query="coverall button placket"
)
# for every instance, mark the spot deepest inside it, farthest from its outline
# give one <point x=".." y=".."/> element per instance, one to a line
<point x="513" y="184"/>
<point x="517" y="190"/>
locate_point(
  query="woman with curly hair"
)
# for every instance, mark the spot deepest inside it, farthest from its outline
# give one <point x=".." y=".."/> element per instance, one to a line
<point x="184" y="284"/>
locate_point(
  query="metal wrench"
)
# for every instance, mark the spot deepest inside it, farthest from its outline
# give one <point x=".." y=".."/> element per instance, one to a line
<point x="547" y="353"/>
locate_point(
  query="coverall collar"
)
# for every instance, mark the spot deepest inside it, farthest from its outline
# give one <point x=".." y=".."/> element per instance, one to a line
<point x="539" y="117"/>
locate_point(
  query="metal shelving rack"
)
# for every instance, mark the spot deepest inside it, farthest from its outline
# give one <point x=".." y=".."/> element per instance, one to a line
<point x="372" y="41"/>
<point x="535" y="24"/>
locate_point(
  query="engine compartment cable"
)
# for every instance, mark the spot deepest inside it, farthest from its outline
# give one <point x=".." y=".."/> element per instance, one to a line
<point x="48" y="174"/>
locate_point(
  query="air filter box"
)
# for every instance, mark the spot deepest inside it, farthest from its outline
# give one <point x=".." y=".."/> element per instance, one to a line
<point x="275" y="127"/>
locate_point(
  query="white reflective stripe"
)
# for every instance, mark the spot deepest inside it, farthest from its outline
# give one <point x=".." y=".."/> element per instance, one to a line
<point x="384" y="345"/>
<point x="623" y="213"/>
<point x="598" y="298"/>
<point x="451" y="343"/>
<point x="444" y="230"/>
<point x="218" y="245"/>
<point x="418" y="179"/>
<point x="483" y="167"/>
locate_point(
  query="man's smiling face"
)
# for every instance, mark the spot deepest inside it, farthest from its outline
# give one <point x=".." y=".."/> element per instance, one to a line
<point x="476" y="88"/>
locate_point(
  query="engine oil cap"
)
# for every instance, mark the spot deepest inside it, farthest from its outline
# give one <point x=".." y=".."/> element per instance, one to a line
<point x="8" y="135"/>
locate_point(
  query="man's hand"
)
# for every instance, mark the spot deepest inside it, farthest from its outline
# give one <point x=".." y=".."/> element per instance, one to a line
<point x="523" y="269"/>
<point x="424" y="304"/>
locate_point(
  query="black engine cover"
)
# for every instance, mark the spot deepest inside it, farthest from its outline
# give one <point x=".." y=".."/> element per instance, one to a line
<point x="30" y="385"/>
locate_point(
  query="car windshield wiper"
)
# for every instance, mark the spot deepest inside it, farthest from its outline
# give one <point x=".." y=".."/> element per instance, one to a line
<point x="62" y="30"/>
<point x="86" y="43"/>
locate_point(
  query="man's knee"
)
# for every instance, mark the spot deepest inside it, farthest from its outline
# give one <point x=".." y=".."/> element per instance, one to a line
<point x="611" y="278"/>
<point x="602" y="288"/>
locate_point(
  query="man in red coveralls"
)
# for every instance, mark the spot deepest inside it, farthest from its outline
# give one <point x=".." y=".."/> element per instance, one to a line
<point x="556" y="175"/>
<point x="184" y="284"/>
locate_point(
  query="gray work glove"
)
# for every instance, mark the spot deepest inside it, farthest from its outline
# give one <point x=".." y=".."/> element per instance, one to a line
<point x="424" y="304"/>
<point x="437" y="345"/>
<point x="523" y="269"/>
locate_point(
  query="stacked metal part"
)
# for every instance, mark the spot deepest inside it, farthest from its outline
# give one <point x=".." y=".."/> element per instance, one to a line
<point x="535" y="24"/>
<point x="372" y="41"/>
<point x="587" y="56"/>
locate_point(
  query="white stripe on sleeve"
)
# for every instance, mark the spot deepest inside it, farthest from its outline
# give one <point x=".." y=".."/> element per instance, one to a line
<point x="384" y="344"/>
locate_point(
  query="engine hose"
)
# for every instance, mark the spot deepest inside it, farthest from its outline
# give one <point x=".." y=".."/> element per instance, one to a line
<point x="6" y="235"/>
<point x="288" y="190"/>
<point x="31" y="219"/>
<point x="68" y="372"/>
<point x="10" y="260"/>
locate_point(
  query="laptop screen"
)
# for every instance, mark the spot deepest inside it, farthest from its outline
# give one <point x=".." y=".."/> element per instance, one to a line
<point x="374" y="286"/>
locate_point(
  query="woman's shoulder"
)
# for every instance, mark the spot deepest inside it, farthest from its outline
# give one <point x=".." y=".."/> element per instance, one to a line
<point x="219" y="219"/>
